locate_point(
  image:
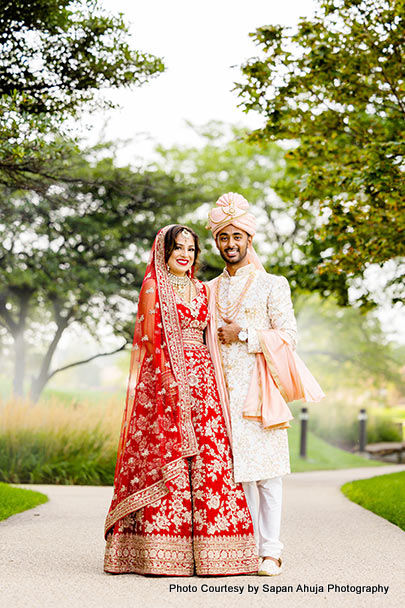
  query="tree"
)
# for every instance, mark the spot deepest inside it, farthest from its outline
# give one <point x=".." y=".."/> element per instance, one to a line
<point x="56" y="54"/>
<point x="55" y="57"/>
<point x="76" y="254"/>
<point x="32" y="152"/>
<point x="344" y="347"/>
<point x="226" y="162"/>
<point x="335" y="89"/>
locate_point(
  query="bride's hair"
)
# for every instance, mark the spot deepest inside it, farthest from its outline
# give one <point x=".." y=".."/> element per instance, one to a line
<point x="170" y="241"/>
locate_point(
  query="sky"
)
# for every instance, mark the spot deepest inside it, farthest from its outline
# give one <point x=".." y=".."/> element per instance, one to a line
<point x="202" y="45"/>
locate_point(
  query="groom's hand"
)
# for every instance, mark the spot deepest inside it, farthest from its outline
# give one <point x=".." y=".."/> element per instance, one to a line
<point x="229" y="333"/>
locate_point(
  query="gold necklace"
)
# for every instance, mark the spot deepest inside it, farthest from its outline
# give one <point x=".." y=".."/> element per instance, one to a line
<point x="179" y="283"/>
<point x="231" y="310"/>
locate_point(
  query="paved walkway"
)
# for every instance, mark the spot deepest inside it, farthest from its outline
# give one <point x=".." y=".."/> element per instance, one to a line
<point x="51" y="556"/>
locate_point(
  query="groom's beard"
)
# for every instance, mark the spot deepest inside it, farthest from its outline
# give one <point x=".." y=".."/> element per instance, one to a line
<point x="241" y="254"/>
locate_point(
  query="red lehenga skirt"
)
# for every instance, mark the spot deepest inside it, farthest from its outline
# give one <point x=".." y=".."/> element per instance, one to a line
<point x="203" y="524"/>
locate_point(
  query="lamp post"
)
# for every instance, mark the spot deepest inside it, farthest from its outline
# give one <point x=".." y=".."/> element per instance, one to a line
<point x="362" y="418"/>
<point x="304" y="429"/>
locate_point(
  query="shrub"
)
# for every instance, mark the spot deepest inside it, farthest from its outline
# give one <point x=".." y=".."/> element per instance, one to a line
<point x="335" y="420"/>
<point x="50" y="443"/>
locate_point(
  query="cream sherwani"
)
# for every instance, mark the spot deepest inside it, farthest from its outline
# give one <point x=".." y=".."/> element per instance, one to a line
<point x="258" y="454"/>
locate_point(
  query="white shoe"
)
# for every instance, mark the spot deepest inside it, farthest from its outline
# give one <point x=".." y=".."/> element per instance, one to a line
<point x="269" y="568"/>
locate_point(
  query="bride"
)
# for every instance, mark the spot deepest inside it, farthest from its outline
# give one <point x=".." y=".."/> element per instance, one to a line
<point x="176" y="509"/>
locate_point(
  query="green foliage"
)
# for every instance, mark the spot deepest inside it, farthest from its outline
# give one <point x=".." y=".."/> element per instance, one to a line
<point x="225" y="162"/>
<point x="75" y="456"/>
<point x="55" y="443"/>
<point x="344" y="347"/>
<point x="76" y="253"/>
<point x="335" y="89"/>
<point x="321" y="455"/>
<point x="16" y="500"/>
<point x="52" y="443"/>
<point x="32" y="154"/>
<point x="335" y="420"/>
<point x="55" y="56"/>
<point x="383" y="495"/>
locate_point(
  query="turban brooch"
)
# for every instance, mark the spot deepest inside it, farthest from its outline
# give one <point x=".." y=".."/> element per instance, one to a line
<point x="231" y="208"/>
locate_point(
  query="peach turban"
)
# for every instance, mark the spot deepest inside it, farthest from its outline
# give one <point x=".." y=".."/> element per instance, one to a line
<point x="231" y="208"/>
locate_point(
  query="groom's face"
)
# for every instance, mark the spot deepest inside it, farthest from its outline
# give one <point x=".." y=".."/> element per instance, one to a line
<point x="233" y="244"/>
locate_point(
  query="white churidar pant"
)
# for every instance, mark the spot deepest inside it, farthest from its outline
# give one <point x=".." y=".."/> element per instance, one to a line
<point x="264" y="499"/>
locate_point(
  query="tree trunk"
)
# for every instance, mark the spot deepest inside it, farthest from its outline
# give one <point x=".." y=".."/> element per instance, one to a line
<point x="20" y="346"/>
<point x="37" y="386"/>
<point x="40" y="381"/>
<point x="19" y="364"/>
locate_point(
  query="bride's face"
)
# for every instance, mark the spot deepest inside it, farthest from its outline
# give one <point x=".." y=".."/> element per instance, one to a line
<point x="182" y="256"/>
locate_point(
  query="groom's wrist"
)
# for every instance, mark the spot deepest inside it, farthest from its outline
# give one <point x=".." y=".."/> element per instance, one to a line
<point x="253" y="341"/>
<point x="243" y="335"/>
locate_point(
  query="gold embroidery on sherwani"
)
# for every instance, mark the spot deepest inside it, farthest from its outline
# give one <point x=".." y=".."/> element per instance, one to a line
<point x="231" y="309"/>
<point x="258" y="453"/>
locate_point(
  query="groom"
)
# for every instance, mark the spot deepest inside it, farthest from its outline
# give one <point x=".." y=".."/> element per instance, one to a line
<point x="244" y="300"/>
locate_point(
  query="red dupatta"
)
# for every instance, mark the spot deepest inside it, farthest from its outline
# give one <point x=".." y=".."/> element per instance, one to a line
<point x="156" y="432"/>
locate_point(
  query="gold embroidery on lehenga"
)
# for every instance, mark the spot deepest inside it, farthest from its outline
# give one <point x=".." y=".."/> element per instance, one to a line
<point x="173" y="555"/>
<point x="156" y="555"/>
<point x="219" y="555"/>
<point x="144" y="497"/>
<point x="195" y="517"/>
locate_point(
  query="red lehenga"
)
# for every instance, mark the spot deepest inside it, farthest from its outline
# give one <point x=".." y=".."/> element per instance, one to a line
<point x="176" y="509"/>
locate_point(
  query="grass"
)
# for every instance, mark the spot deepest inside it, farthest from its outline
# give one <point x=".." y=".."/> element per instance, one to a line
<point x="74" y="397"/>
<point x="60" y="443"/>
<point x="16" y="500"/>
<point x="383" y="495"/>
<point x="335" y="420"/>
<point x="56" y="443"/>
<point x="395" y="416"/>
<point x="321" y="455"/>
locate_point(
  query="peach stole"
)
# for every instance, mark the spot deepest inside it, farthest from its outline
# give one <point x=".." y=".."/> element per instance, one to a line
<point x="279" y="376"/>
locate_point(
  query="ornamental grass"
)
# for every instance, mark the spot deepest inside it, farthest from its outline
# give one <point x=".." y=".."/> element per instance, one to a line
<point x="59" y="444"/>
<point x="75" y="442"/>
